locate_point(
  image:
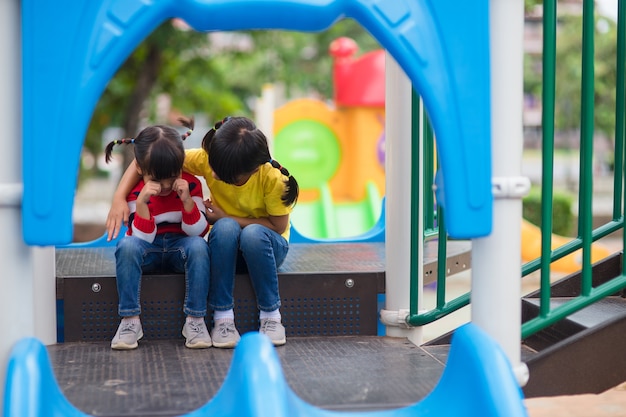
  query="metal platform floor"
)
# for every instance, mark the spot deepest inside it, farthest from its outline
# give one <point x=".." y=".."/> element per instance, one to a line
<point x="331" y="370"/>
<point x="164" y="378"/>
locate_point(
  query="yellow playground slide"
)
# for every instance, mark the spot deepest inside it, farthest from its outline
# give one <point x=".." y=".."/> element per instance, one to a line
<point x="531" y="249"/>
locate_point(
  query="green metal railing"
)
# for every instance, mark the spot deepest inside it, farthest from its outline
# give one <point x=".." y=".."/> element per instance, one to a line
<point x="434" y="221"/>
<point x="586" y="234"/>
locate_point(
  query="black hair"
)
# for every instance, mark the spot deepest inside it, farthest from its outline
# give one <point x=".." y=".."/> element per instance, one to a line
<point x="237" y="147"/>
<point x="159" y="149"/>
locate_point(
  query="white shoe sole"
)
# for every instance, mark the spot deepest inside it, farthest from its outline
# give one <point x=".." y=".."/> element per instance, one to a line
<point x="225" y="345"/>
<point x="124" y="346"/>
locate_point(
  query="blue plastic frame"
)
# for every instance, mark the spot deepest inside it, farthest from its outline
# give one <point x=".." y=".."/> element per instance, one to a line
<point x="72" y="49"/>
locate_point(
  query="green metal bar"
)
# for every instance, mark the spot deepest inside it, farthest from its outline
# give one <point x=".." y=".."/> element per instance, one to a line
<point x="620" y="99"/>
<point x="415" y="199"/>
<point x="548" y="98"/>
<point x="428" y="172"/>
<point x="578" y="303"/>
<point x="442" y="269"/>
<point x="432" y="233"/>
<point x="435" y="314"/>
<point x="585" y="196"/>
<point x="620" y="114"/>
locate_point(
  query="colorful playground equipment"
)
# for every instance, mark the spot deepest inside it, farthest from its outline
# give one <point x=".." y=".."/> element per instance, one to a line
<point x="531" y="249"/>
<point x="337" y="152"/>
<point x="82" y="47"/>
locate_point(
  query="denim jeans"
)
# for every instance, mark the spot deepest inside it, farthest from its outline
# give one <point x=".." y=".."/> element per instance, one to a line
<point x="263" y="251"/>
<point x="170" y="252"/>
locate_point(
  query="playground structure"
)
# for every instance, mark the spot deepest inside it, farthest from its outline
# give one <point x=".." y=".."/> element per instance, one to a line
<point x="337" y="151"/>
<point x="423" y="37"/>
<point x="531" y="249"/>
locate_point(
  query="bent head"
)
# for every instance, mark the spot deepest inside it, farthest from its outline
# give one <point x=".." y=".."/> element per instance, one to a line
<point x="236" y="149"/>
<point x="160" y="154"/>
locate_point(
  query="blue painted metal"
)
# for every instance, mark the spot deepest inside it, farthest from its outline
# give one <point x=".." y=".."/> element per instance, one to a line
<point x="72" y="49"/>
<point x="477" y="382"/>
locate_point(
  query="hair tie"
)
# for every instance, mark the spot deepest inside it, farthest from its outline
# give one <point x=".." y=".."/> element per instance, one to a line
<point x="278" y="165"/>
<point x="187" y="134"/>
<point x="122" y="141"/>
<point x="221" y="122"/>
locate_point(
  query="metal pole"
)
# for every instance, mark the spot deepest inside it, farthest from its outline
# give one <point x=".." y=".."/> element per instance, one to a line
<point x="398" y="96"/>
<point x="496" y="263"/>
<point x="17" y="281"/>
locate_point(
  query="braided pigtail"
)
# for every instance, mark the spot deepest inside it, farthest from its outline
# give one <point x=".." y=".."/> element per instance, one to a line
<point x="206" y="140"/>
<point x="109" y="148"/>
<point x="292" y="190"/>
<point x="189" y="124"/>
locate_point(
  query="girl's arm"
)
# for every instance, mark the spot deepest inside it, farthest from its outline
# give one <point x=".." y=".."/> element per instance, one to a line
<point x="276" y="223"/>
<point x="119" y="212"/>
<point x="194" y="223"/>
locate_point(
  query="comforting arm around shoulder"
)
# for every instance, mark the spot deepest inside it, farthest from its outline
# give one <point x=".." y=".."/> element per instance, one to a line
<point x="119" y="211"/>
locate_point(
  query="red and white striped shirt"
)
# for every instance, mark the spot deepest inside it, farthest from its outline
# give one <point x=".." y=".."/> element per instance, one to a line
<point x="167" y="214"/>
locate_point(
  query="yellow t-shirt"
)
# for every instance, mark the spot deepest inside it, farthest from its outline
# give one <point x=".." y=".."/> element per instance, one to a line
<point x="259" y="197"/>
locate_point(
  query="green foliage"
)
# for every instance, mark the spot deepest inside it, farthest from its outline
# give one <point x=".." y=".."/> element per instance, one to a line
<point x="529" y="4"/>
<point x="533" y="83"/>
<point x="204" y="77"/>
<point x="569" y="72"/>
<point x="562" y="216"/>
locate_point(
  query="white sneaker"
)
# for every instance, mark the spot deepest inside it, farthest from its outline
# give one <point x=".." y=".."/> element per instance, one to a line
<point x="274" y="329"/>
<point x="225" y="334"/>
<point x="127" y="336"/>
<point x="196" y="335"/>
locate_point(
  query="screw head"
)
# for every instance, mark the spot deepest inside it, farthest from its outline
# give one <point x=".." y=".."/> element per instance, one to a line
<point x="349" y="283"/>
<point x="96" y="287"/>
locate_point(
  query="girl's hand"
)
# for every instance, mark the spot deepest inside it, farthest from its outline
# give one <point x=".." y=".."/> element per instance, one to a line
<point x="213" y="211"/>
<point x="181" y="187"/>
<point x="151" y="188"/>
<point x="118" y="216"/>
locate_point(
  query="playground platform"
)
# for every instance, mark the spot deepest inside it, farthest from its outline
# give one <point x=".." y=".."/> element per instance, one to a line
<point x="328" y="289"/>
<point x="334" y="357"/>
<point x="163" y="378"/>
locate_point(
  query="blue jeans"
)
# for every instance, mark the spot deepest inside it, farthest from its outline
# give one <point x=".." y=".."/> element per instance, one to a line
<point x="263" y="251"/>
<point x="170" y="252"/>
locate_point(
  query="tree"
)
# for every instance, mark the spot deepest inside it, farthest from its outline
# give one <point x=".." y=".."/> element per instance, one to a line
<point x="569" y="71"/>
<point x="201" y="75"/>
<point x="170" y="61"/>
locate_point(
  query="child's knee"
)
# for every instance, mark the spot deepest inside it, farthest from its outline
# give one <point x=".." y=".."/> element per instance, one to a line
<point x="197" y="246"/>
<point x="225" y="230"/>
<point x="128" y="246"/>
